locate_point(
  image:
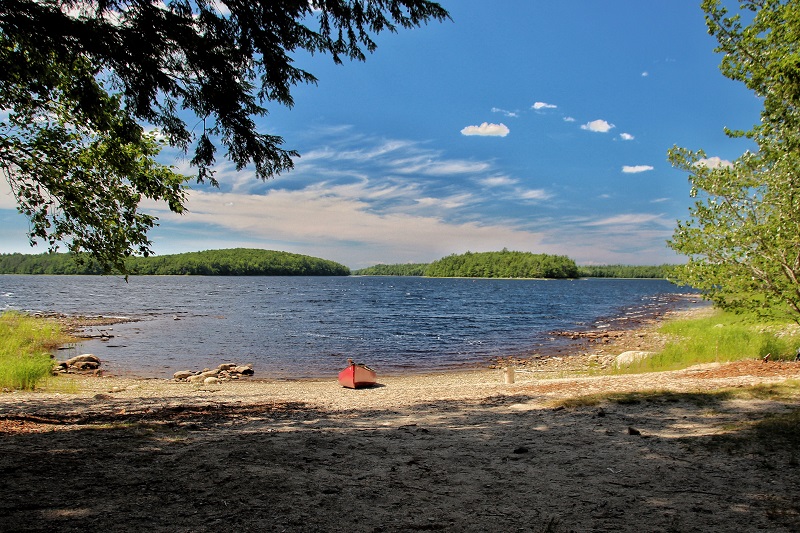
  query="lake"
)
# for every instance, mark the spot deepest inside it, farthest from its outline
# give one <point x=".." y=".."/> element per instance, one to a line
<point x="292" y="327"/>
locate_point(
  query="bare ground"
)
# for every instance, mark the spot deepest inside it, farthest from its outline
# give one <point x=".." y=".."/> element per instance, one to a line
<point x="441" y="452"/>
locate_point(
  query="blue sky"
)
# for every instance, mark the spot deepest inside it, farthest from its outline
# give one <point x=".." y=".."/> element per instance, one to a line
<point x="532" y="125"/>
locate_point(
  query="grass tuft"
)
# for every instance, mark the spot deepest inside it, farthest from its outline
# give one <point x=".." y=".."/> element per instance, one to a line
<point x="25" y="342"/>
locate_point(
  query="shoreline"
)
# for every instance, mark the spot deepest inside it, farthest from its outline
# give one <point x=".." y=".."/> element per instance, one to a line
<point x="567" y="344"/>
<point x="594" y="353"/>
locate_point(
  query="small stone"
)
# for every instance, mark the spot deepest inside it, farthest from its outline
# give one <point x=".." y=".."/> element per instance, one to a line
<point x="521" y="449"/>
<point x="633" y="431"/>
<point x="182" y="375"/>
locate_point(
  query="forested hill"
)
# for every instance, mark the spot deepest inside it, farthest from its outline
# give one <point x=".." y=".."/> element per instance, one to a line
<point x="503" y="264"/>
<point x="230" y="262"/>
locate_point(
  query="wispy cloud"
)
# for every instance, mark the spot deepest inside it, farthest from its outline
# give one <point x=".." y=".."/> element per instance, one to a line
<point x="498" y="181"/>
<point x="634" y="219"/>
<point x="543" y="105"/>
<point x="636" y="169"/>
<point x="505" y="112"/>
<point x="626" y="136"/>
<point x="532" y="194"/>
<point x="569" y="119"/>
<point x="487" y="130"/>
<point x="598" y="126"/>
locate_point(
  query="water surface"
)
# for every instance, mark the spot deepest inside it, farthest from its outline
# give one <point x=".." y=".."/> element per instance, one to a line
<point x="307" y="326"/>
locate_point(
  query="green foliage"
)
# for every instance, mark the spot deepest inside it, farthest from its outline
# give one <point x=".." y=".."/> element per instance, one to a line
<point x="626" y="271"/>
<point x="231" y="262"/>
<point x="24" y="341"/>
<point x="722" y="337"/>
<point x="743" y="238"/>
<point x="219" y="62"/>
<point x="78" y="78"/>
<point x="404" y="269"/>
<point x="78" y="174"/>
<point x="504" y="264"/>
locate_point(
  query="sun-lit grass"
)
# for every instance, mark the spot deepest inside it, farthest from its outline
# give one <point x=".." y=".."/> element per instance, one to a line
<point x="722" y="337"/>
<point x="24" y="344"/>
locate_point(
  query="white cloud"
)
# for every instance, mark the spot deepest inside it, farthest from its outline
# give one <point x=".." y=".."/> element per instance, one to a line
<point x="569" y="119"/>
<point x="714" y="162"/>
<point x="645" y="74"/>
<point x="599" y="126"/>
<point x="635" y="169"/>
<point x="542" y="105"/>
<point x="487" y="130"/>
<point x="328" y="220"/>
<point x="626" y="136"/>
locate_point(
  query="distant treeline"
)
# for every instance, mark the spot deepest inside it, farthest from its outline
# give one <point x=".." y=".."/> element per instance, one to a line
<point x="504" y="264"/>
<point x="596" y="271"/>
<point x="625" y="271"/>
<point x="406" y="269"/>
<point x="230" y="262"/>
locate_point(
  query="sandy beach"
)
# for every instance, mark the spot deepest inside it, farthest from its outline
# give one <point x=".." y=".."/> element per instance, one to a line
<point x="439" y="452"/>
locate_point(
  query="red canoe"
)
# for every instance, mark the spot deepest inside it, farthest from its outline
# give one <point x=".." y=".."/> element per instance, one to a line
<point x="355" y="376"/>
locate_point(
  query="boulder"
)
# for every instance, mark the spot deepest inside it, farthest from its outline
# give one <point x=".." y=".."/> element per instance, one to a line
<point x="182" y="375"/>
<point x="86" y="365"/>
<point x="226" y="366"/>
<point x="245" y="370"/>
<point x="211" y="380"/>
<point x="87" y="357"/>
<point x="630" y="357"/>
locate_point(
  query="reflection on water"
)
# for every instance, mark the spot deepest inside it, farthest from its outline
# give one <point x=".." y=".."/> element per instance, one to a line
<point x="308" y="326"/>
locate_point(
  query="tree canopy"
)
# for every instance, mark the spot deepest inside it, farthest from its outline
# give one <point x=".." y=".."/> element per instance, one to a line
<point x="743" y="237"/>
<point x="80" y="79"/>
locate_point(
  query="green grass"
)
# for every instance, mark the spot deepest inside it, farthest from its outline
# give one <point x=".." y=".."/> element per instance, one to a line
<point x="722" y="337"/>
<point x="24" y="344"/>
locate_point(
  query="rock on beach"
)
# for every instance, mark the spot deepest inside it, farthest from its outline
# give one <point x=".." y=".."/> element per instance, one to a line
<point x="85" y="361"/>
<point x="224" y="372"/>
<point x="628" y="358"/>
